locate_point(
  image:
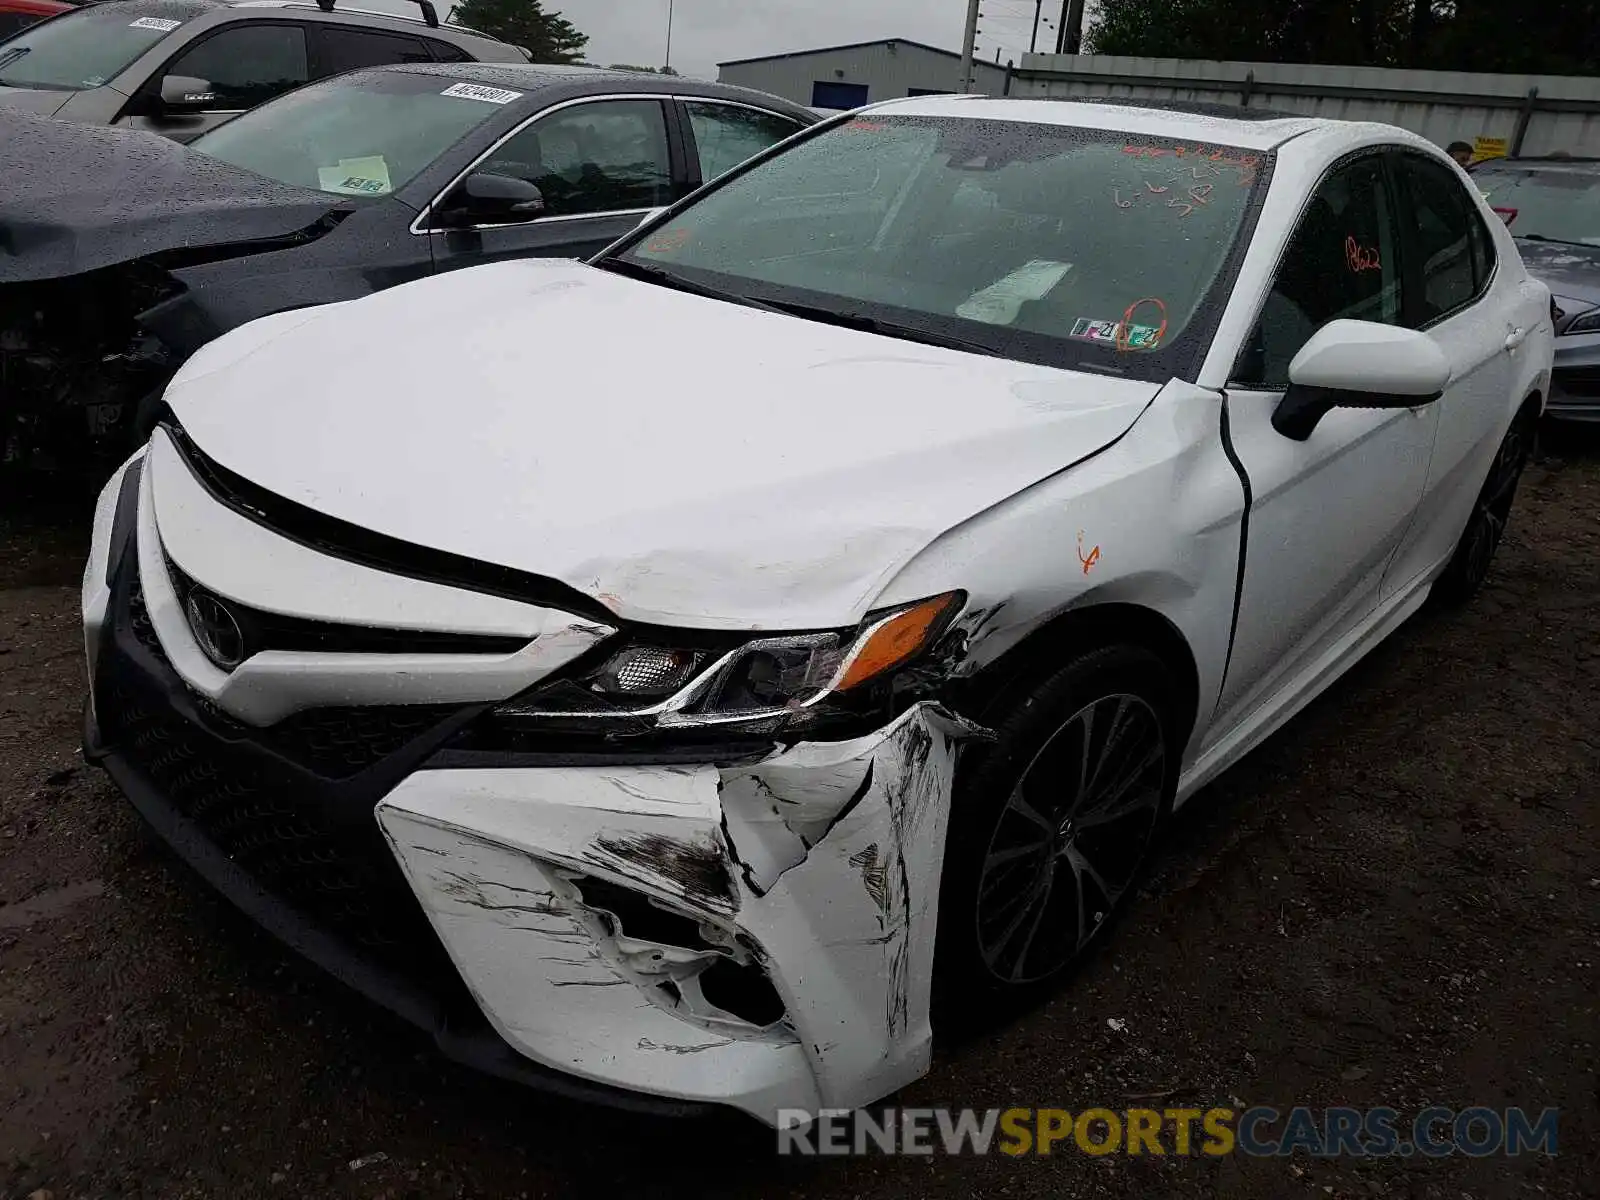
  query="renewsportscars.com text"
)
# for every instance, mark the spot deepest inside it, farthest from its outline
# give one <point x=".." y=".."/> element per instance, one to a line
<point x="1435" y="1132"/>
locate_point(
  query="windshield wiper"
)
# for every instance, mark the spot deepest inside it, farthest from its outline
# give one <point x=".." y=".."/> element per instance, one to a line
<point x="11" y="55"/>
<point x="861" y="321"/>
<point x="664" y="277"/>
<point x="1539" y="237"/>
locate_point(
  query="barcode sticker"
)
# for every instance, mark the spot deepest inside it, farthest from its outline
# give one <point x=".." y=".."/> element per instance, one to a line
<point x="478" y="91"/>
<point x="161" y="23"/>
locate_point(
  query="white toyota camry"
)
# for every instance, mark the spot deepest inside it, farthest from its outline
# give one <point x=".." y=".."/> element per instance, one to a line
<point x="684" y="678"/>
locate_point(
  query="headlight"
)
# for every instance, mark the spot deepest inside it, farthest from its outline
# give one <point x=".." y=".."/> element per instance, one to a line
<point x="763" y="684"/>
<point x="1588" y="322"/>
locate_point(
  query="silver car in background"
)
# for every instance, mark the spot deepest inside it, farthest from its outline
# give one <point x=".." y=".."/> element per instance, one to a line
<point x="1552" y="206"/>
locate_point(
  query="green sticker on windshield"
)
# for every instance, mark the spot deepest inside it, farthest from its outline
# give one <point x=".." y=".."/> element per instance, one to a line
<point x="368" y="176"/>
<point x="1116" y="333"/>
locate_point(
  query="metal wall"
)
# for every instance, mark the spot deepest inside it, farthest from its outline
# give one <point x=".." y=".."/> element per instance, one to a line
<point x="1545" y="112"/>
<point x="889" y="69"/>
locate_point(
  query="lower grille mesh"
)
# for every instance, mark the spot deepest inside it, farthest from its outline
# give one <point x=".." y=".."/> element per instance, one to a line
<point x="303" y="829"/>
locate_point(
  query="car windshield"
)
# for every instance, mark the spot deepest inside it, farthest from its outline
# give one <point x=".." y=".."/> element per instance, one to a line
<point x="1555" y="202"/>
<point x="85" y="49"/>
<point x="1044" y="243"/>
<point x="364" y="134"/>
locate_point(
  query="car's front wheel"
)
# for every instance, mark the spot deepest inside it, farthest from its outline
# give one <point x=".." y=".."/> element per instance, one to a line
<point x="1469" y="565"/>
<point x="1052" y="822"/>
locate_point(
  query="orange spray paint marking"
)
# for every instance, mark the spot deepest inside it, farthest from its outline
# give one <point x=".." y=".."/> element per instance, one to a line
<point x="1091" y="558"/>
<point x="1124" y="336"/>
<point x="667" y="241"/>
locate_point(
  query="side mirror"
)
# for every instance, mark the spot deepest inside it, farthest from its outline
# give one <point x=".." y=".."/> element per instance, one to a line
<point x="485" y="198"/>
<point x="1359" y="364"/>
<point x="186" y="94"/>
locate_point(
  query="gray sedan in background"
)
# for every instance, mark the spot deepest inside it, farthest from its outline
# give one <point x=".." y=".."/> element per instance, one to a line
<point x="181" y="67"/>
<point x="1553" y="208"/>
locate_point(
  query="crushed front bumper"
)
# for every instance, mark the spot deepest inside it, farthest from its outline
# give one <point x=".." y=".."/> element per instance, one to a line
<point x="757" y="935"/>
<point x="809" y="881"/>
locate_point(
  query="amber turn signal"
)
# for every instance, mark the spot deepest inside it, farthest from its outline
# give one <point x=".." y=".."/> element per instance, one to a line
<point x="896" y="640"/>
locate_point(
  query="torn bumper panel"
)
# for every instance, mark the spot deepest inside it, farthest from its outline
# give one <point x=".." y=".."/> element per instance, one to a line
<point x="759" y="936"/>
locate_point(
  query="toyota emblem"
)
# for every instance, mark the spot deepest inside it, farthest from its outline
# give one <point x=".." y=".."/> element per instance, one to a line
<point x="216" y="630"/>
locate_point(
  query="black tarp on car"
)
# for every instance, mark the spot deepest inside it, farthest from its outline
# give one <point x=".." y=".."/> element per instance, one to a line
<point x="74" y="198"/>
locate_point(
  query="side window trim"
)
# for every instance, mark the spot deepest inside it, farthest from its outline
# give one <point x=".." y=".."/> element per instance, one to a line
<point x="152" y="84"/>
<point x="421" y="226"/>
<point x="1380" y="152"/>
<point x="691" y="153"/>
<point x="1411" y="277"/>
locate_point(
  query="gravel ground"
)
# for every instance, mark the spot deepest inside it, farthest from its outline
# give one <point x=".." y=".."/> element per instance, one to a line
<point x="1396" y="901"/>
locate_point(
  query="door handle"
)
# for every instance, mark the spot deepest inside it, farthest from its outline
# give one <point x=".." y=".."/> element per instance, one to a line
<point x="1515" y="338"/>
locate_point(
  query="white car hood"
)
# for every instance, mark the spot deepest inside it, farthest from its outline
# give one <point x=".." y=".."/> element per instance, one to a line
<point x="685" y="460"/>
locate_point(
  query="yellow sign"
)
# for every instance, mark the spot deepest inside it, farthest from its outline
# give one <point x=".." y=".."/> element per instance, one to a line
<point x="1488" y="147"/>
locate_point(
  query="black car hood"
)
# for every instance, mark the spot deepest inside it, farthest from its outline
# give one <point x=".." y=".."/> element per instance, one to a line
<point x="78" y="197"/>
<point x="34" y="100"/>
<point x="1568" y="269"/>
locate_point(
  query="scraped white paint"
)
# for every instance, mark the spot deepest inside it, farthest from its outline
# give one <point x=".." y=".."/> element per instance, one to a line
<point x="845" y="932"/>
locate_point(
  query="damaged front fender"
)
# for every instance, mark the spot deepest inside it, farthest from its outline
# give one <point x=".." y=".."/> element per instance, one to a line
<point x="760" y="936"/>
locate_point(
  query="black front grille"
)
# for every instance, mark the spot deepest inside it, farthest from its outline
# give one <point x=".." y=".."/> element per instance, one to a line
<point x="1580" y="382"/>
<point x="338" y="742"/>
<point x="291" y="805"/>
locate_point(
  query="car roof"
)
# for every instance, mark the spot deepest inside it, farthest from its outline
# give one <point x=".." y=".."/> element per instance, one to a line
<point x="530" y="77"/>
<point x="1251" y="129"/>
<point x="354" y="11"/>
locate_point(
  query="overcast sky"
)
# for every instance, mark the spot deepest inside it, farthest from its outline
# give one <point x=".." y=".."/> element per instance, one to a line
<point x="706" y="32"/>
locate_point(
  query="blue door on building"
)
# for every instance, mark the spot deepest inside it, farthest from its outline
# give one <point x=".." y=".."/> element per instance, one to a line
<point x="838" y="95"/>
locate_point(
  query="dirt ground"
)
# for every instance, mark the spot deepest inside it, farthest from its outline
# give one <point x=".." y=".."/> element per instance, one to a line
<point x="1394" y="902"/>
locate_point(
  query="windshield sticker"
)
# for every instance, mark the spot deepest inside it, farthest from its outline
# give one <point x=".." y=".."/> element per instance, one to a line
<point x="367" y="176"/>
<point x="1128" y="337"/>
<point x="863" y="126"/>
<point x="1360" y="258"/>
<point x="1111" y="333"/>
<point x="161" y="23"/>
<point x="1001" y="301"/>
<point x="479" y="91"/>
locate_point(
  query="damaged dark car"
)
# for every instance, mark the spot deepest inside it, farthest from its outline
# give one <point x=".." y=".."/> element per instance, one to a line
<point x="123" y="252"/>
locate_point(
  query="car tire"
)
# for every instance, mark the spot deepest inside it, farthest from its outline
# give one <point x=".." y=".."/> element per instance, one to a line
<point x="1033" y="871"/>
<point x="1474" y="553"/>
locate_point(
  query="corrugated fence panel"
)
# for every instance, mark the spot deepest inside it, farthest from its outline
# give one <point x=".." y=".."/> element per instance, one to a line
<point x="1443" y="106"/>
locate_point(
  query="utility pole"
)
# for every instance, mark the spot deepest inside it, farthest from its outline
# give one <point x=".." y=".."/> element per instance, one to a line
<point x="1070" y="38"/>
<point x="1038" y="11"/>
<point x="667" y="66"/>
<point x="969" y="42"/>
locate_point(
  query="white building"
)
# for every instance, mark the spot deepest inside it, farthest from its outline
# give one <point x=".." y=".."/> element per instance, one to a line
<point x="850" y="76"/>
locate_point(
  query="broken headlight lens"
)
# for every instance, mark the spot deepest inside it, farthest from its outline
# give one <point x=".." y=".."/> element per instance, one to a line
<point x="767" y="680"/>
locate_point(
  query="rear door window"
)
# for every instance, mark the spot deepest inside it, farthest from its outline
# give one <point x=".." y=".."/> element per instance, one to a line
<point x="335" y="49"/>
<point x="1439" y="222"/>
<point x="727" y="134"/>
